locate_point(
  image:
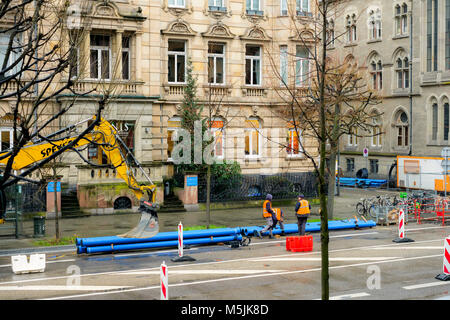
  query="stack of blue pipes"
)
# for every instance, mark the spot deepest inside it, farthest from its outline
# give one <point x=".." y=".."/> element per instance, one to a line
<point x="162" y="239"/>
<point x="201" y="237"/>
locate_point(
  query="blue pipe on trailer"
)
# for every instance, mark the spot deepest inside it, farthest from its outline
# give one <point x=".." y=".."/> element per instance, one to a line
<point x="163" y="236"/>
<point x="160" y="244"/>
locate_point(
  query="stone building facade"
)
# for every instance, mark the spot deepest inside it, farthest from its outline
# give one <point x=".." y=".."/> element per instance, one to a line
<point x="138" y="50"/>
<point x="405" y="48"/>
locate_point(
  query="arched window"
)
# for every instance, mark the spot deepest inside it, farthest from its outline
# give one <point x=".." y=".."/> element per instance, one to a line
<point x="402" y="129"/>
<point x="377" y="132"/>
<point x="446" y="120"/>
<point x="172" y="126"/>
<point x="376" y="71"/>
<point x="401" y="19"/>
<point x="252" y="137"/>
<point x="402" y="71"/>
<point x="435" y="121"/>
<point x="351" y="28"/>
<point x="330" y="33"/>
<point x="218" y="132"/>
<point x="294" y="140"/>
<point x="375" y="24"/>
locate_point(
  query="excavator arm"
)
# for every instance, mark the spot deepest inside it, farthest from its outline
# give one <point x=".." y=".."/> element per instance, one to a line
<point x="105" y="135"/>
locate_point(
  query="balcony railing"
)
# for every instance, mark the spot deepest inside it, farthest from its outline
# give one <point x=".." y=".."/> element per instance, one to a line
<point x="117" y="87"/>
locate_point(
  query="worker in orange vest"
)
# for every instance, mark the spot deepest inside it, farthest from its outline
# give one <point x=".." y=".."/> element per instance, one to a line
<point x="270" y="216"/>
<point x="302" y="211"/>
<point x="280" y="219"/>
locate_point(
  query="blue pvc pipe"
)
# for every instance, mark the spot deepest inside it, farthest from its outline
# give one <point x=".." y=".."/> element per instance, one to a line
<point x="312" y="227"/>
<point x="163" y="236"/>
<point x="160" y="244"/>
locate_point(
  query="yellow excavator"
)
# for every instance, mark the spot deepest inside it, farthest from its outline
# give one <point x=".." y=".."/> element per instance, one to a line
<point x="104" y="135"/>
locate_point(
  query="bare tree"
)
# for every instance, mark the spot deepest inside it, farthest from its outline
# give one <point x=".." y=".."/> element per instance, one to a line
<point x="326" y="97"/>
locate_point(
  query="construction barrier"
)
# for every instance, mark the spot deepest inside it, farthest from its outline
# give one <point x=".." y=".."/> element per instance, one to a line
<point x="401" y="228"/>
<point x="445" y="276"/>
<point x="164" y="282"/>
<point x="299" y="243"/>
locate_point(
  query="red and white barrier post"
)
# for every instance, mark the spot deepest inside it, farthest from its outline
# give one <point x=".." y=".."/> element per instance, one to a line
<point x="401" y="228"/>
<point x="181" y="257"/>
<point x="180" y="239"/>
<point x="164" y="282"/>
<point x="445" y="276"/>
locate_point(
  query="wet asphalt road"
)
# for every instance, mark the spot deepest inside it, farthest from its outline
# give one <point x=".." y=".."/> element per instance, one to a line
<point x="364" y="264"/>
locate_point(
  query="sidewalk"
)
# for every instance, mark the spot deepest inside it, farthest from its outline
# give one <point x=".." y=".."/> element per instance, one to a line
<point x="109" y="225"/>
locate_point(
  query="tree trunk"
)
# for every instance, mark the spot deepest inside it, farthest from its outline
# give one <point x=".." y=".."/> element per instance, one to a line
<point x="55" y="194"/>
<point x="324" y="234"/>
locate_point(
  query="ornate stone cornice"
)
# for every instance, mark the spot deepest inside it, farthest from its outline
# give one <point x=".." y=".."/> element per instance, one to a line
<point x="179" y="27"/>
<point x="218" y="30"/>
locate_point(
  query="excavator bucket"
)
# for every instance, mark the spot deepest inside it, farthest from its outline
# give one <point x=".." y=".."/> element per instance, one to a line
<point x="148" y="225"/>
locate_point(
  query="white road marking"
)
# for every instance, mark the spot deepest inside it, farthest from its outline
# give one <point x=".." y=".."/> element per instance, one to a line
<point x="243" y="277"/>
<point x="330" y="259"/>
<point x="220" y="262"/>
<point x="61" y="288"/>
<point x="350" y="296"/>
<point x="426" y="285"/>
<point x="411" y="248"/>
<point x="226" y="271"/>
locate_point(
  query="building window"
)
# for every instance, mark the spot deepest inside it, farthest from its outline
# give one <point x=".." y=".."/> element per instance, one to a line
<point x="14" y="55"/>
<point x="351" y="28"/>
<point x="447" y="35"/>
<point x="100" y="58"/>
<point x="7" y="138"/>
<point x="375" y="24"/>
<point x="294" y="147"/>
<point x="402" y="71"/>
<point x="432" y="32"/>
<point x="376" y="133"/>
<point x="284" y="65"/>
<point x="216" y="5"/>
<point x="126" y="58"/>
<point x="302" y="7"/>
<point x="216" y="63"/>
<point x="435" y="119"/>
<point x="217" y="131"/>
<point x="284" y="7"/>
<point x="301" y="66"/>
<point x="352" y="137"/>
<point x="402" y="128"/>
<point x="373" y="165"/>
<point x="253" y="65"/>
<point x="350" y="164"/>
<point x="446" y="120"/>
<point x="252" y="137"/>
<point x="254" y="7"/>
<point x="401" y="19"/>
<point x="177" y="3"/>
<point x="330" y="33"/>
<point x="176" y="61"/>
<point x="376" y="71"/>
<point x="172" y="126"/>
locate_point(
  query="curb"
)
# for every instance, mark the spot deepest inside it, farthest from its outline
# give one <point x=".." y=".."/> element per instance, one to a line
<point x="10" y="252"/>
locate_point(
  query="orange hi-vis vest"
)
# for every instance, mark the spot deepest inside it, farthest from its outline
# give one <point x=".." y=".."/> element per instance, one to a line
<point x="304" y="207"/>
<point x="266" y="214"/>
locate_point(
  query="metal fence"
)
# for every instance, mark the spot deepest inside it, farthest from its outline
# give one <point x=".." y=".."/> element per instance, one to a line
<point x="256" y="187"/>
